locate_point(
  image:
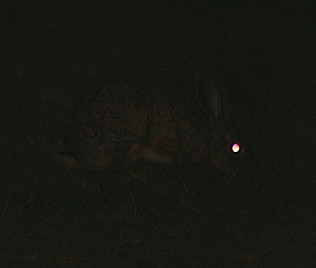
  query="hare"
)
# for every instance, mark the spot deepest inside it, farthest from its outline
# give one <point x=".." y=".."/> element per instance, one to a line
<point x="121" y="125"/>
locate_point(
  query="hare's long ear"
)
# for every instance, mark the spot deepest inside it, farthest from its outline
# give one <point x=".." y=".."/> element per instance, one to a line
<point x="210" y="95"/>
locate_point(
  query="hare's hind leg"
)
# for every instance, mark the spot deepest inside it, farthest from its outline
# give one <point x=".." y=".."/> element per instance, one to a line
<point x="141" y="151"/>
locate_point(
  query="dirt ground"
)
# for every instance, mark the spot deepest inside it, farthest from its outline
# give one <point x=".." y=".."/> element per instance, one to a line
<point x="148" y="215"/>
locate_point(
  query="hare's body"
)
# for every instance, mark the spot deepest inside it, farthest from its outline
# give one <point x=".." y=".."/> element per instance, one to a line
<point x="121" y="124"/>
<point x="125" y="124"/>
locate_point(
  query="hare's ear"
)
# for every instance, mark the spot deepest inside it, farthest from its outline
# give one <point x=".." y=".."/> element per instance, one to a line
<point x="210" y="96"/>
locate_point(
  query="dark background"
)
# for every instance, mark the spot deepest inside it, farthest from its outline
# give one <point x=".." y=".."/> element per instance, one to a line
<point x="53" y="54"/>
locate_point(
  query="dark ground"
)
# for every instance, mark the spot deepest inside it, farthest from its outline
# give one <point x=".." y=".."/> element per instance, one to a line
<point x="153" y="216"/>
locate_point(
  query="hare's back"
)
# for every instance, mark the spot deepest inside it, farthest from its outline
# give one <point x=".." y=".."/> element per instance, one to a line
<point x="106" y="119"/>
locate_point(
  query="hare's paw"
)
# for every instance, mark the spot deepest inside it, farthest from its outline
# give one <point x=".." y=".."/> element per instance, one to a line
<point x="68" y="161"/>
<point x="100" y="162"/>
<point x="144" y="152"/>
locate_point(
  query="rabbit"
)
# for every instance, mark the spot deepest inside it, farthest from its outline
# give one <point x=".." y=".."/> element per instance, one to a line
<point x="122" y="125"/>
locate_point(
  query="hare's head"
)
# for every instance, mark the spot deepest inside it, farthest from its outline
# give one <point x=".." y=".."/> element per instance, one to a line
<point x="227" y="147"/>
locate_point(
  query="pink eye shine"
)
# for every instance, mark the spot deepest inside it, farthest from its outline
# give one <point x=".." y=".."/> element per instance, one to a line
<point x="235" y="148"/>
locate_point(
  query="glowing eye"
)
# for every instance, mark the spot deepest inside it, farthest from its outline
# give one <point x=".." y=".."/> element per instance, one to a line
<point x="235" y="148"/>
